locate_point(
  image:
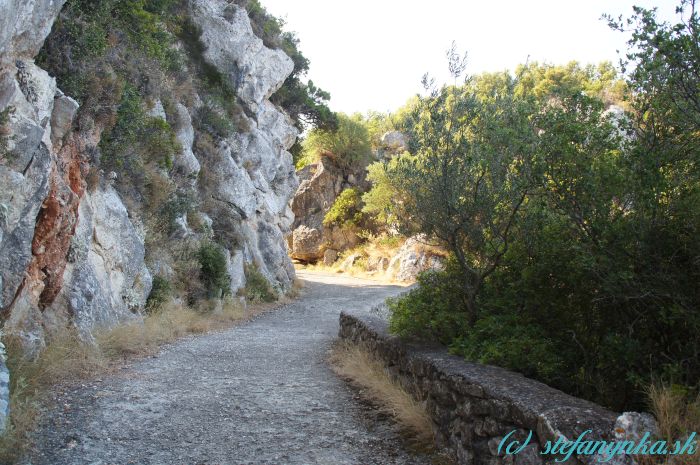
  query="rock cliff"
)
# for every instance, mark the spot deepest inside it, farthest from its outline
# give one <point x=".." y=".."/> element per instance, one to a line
<point x="320" y="185"/>
<point x="76" y="245"/>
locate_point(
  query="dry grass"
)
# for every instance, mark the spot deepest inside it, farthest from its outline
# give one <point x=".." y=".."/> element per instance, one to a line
<point x="65" y="358"/>
<point x="367" y="372"/>
<point x="678" y="415"/>
<point x="68" y="358"/>
<point x="167" y="324"/>
<point x="369" y="255"/>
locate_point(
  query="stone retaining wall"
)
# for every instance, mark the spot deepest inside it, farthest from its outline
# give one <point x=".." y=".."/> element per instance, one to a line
<point x="473" y="406"/>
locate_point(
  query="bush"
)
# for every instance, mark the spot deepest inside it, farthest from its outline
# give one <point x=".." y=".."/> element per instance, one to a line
<point x="346" y="210"/>
<point x="575" y="230"/>
<point x="348" y="145"/>
<point x="507" y="341"/>
<point x="213" y="271"/>
<point x="257" y="287"/>
<point x="434" y="310"/>
<point x="160" y="292"/>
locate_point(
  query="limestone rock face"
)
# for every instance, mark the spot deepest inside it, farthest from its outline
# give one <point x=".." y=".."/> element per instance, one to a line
<point x="24" y="24"/>
<point x="73" y="255"/>
<point x="26" y="160"/>
<point x="320" y="185"/>
<point x="255" y="70"/>
<point x="255" y="173"/>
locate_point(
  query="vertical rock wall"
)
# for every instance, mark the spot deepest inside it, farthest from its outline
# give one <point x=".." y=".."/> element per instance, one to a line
<point x="76" y="257"/>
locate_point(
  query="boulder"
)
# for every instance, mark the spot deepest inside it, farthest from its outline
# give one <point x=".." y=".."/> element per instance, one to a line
<point x="393" y="143"/>
<point x="329" y="257"/>
<point x="307" y="243"/>
<point x="412" y="259"/>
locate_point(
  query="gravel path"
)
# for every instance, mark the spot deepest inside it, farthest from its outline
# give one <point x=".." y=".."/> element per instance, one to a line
<point x="260" y="393"/>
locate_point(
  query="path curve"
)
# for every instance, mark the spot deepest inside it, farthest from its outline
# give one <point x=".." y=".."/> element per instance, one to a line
<point x="259" y="393"/>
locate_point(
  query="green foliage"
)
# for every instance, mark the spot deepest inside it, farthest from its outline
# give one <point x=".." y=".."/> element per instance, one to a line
<point x="346" y="210"/>
<point x="86" y="31"/>
<point x="213" y="273"/>
<point x="508" y="341"/>
<point x="306" y="104"/>
<point x="432" y="311"/>
<point x="257" y="287"/>
<point x="161" y="290"/>
<point x="137" y="138"/>
<point x="348" y="145"/>
<point x="573" y="230"/>
<point x="383" y="202"/>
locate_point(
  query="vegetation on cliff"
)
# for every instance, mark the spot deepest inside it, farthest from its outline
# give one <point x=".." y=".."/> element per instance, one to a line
<point x="130" y="64"/>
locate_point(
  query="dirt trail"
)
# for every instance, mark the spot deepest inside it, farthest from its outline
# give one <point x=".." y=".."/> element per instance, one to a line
<point x="260" y="393"/>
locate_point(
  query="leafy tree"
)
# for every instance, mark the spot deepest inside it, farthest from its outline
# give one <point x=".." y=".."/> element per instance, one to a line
<point x="590" y="282"/>
<point x="348" y="145"/>
<point x="469" y="179"/>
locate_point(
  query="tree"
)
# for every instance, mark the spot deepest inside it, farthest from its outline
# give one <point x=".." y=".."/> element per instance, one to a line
<point x="469" y="179"/>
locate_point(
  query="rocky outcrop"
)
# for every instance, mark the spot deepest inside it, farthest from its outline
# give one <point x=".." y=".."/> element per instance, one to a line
<point x="256" y="177"/>
<point x="66" y="256"/>
<point x="73" y="255"/>
<point x="414" y="257"/>
<point x="392" y="143"/>
<point x="474" y="406"/>
<point x="320" y="184"/>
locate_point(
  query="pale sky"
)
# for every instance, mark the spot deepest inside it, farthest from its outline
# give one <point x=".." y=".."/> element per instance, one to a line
<point x="371" y="54"/>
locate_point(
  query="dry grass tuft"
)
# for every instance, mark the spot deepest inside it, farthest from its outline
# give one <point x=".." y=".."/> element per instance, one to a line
<point x="678" y="415"/>
<point x="366" y="371"/>
<point x="167" y="324"/>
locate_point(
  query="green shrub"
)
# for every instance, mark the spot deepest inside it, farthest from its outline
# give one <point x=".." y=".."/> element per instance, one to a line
<point x="434" y="310"/>
<point x="507" y="341"/>
<point x="257" y="287"/>
<point x="346" y="210"/>
<point x="161" y="290"/>
<point x="214" y="121"/>
<point x="213" y="273"/>
<point x="348" y="145"/>
<point x="137" y="139"/>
